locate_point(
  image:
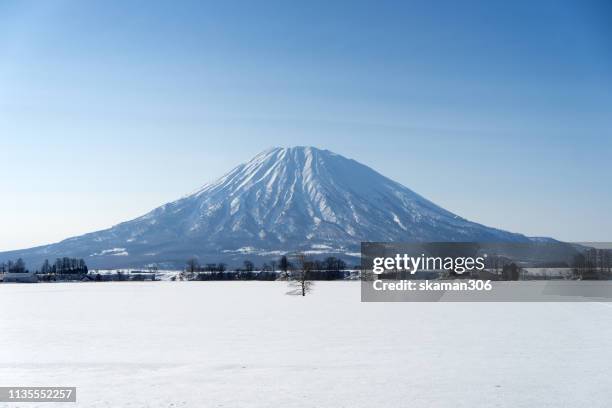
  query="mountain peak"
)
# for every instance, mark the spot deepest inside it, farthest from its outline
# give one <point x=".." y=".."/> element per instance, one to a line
<point x="293" y="152"/>
<point x="290" y="149"/>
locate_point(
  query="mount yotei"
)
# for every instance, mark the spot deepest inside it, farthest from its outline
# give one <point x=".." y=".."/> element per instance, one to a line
<point x="283" y="200"/>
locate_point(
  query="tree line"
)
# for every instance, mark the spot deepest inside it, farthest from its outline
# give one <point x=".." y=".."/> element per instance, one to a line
<point x="331" y="268"/>
<point x="297" y="269"/>
<point x="65" y="266"/>
<point x="61" y="266"/>
<point x="17" y="266"/>
<point x="593" y="264"/>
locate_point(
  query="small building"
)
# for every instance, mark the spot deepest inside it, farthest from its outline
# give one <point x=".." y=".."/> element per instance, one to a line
<point x="20" y="277"/>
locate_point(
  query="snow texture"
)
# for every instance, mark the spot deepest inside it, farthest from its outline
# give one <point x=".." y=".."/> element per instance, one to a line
<point x="246" y="344"/>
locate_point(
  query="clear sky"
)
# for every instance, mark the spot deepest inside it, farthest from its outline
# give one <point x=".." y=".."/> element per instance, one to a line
<point x="498" y="111"/>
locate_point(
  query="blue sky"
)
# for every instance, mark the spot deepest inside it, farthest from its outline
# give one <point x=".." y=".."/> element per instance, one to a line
<point x="498" y="111"/>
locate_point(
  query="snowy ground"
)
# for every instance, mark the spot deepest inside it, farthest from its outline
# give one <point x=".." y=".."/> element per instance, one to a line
<point x="246" y="344"/>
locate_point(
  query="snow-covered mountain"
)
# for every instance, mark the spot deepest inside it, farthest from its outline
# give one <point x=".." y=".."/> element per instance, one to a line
<point x="284" y="199"/>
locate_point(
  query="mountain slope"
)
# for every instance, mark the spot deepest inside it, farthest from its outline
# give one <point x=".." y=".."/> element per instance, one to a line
<point x="284" y="199"/>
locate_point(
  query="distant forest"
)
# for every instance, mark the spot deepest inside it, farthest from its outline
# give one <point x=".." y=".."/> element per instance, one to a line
<point x="593" y="264"/>
<point x="60" y="266"/>
<point x="67" y="268"/>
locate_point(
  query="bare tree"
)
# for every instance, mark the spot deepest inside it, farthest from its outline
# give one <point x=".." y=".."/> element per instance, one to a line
<point x="284" y="266"/>
<point x="248" y="266"/>
<point x="191" y="268"/>
<point x="299" y="275"/>
<point x="192" y="265"/>
<point x="153" y="269"/>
